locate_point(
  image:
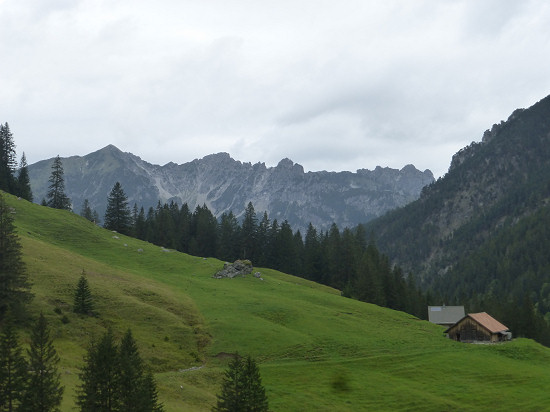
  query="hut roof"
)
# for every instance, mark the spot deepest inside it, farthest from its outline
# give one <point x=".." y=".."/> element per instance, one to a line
<point x="445" y="315"/>
<point x="487" y="321"/>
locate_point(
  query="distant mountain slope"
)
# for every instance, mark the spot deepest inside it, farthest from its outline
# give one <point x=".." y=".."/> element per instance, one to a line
<point x="491" y="186"/>
<point x="224" y="184"/>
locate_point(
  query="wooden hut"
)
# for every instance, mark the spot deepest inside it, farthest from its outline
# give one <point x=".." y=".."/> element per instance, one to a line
<point x="479" y="327"/>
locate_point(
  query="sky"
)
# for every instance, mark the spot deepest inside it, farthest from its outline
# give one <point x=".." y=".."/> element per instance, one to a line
<point x="332" y="85"/>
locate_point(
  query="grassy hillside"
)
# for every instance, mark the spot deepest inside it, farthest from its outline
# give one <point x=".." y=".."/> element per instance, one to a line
<point x="316" y="350"/>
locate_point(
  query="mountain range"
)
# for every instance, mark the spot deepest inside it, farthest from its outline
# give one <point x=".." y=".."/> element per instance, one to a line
<point x="223" y="184"/>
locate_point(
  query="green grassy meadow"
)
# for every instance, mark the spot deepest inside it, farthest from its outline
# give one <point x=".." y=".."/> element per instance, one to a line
<point x="317" y="351"/>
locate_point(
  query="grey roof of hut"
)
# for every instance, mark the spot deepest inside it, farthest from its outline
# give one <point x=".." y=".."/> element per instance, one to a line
<point x="445" y="315"/>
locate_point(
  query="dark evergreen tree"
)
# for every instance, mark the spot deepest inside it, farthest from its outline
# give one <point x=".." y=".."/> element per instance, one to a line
<point x="253" y="390"/>
<point x="262" y="241"/>
<point x="118" y="215"/>
<point x="87" y="212"/>
<point x="13" y="369"/>
<point x="242" y="388"/>
<point x="140" y="225"/>
<point x="131" y="388"/>
<point x="83" y="302"/>
<point x="8" y="161"/>
<point x="165" y="227"/>
<point x="14" y="286"/>
<point x="231" y="397"/>
<point x="284" y="253"/>
<point x="312" y="254"/>
<point x="151" y="402"/>
<point x="56" y="196"/>
<point x="228" y="238"/>
<point x="100" y="377"/>
<point x="23" y="181"/>
<point x="137" y="388"/>
<point x="184" y="228"/>
<point x="249" y="232"/>
<point x="44" y="391"/>
<point x="204" y="230"/>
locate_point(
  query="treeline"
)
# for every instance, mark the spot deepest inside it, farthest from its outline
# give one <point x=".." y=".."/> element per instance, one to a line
<point x="339" y="258"/>
<point x="14" y="178"/>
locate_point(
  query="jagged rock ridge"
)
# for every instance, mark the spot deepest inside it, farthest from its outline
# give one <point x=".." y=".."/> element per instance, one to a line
<point x="225" y="184"/>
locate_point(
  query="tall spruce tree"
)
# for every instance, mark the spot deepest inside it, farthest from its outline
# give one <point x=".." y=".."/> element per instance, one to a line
<point x="242" y="388"/>
<point x="83" y="302"/>
<point x="23" y="180"/>
<point x="44" y="391"/>
<point x="13" y="369"/>
<point x="56" y="197"/>
<point x="8" y="161"/>
<point x="100" y="377"/>
<point x="151" y="402"/>
<point x="118" y="215"/>
<point x="14" y="285"/>
<point x="132" y="395"/>
<point x="137" y="388"/>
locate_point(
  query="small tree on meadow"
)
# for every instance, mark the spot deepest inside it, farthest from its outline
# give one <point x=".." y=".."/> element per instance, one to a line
<point x="23" y="180"/>
<point x="56" y="197"/>
<point x="100" y="376"/>
<point x="137" y="388"/>
<point x="83" y="302"/>
<point x="44" y="391"/>
<point x="242" y="388"/>
<point x="118" y="215"/>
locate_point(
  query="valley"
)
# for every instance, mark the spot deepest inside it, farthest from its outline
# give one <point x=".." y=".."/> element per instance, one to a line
<point x="316" y="349"/>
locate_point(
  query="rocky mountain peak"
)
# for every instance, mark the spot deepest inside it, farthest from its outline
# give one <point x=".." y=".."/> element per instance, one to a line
<point x="225" y="184"/>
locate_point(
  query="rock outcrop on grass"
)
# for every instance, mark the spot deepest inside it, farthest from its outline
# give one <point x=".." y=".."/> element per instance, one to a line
<point x="238" y="268"/>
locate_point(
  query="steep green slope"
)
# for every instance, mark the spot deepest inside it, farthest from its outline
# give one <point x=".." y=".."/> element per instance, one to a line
<point x="316" y="349"/>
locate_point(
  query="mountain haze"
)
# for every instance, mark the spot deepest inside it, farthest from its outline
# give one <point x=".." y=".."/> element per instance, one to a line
<point x="286" y="192"/>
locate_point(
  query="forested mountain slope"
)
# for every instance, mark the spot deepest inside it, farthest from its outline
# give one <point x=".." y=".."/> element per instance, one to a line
<point x="483" y="201"/>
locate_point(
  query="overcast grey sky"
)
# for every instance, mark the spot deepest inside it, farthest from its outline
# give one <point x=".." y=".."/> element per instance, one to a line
<point x="332" y="85"/>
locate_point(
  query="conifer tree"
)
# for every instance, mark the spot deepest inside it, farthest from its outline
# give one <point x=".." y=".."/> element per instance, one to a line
<point x="137" y="388"/>
<point x="249" y="231"/>
<point x="242" y="388"/>
<point x="13" y="369"/>
<point x="56" y="197"/>
<point x="151" y="401"/>
<point x="86" y="211"/>
<point x="83" y="302"/>
<point x="132" y="394"/>
<point x="23" y="181"/>
<point x="100" y="376"/>
<point x="118" y="216"/>
<point x="8" y="162"/>
<point x="14" y="286"/>
<point x="44" y="391"/>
